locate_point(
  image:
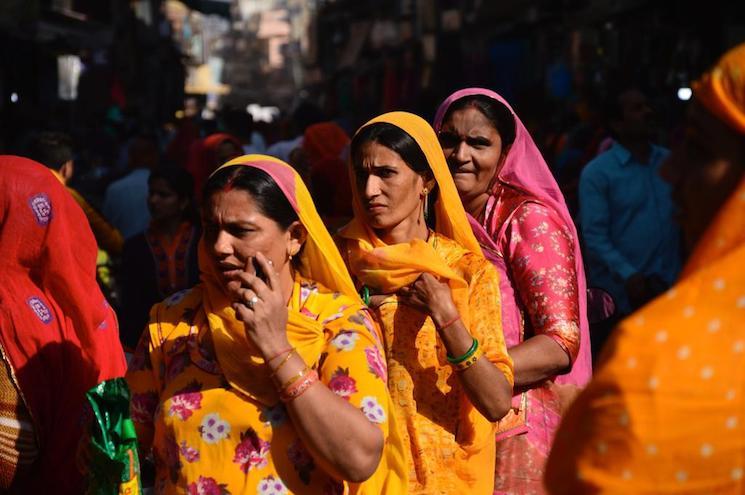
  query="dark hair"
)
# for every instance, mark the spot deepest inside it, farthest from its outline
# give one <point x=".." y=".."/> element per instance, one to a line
<point x="497" y="113"/>
<point x="394" y="138"/>
<point x="238" y="122"/>
<point x="177" y="178"/>
<point x="613" y="107"/>
<point x="262" y="188"/>
<point x="182" y="184"/>
<point x="52" y="149"/>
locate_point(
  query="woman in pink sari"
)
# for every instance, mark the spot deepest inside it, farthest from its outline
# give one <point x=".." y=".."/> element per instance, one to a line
<point x="522" y="223"/>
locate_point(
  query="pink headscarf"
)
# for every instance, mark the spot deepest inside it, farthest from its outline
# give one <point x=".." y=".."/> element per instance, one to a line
<point x="525" y="169"/>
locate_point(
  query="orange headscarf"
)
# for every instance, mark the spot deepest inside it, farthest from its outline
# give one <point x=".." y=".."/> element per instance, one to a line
<point x="391" y="267"/>
<point x="722" y="90"/>
<point x="664" y="412"/>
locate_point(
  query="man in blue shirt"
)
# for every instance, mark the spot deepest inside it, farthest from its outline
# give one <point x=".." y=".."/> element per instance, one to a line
<point x="125" y="202"/>
<point x="632" y="245"/>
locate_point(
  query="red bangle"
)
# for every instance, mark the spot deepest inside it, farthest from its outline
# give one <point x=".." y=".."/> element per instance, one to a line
<point x="449" y="323"/>
<point x="275" y="356"/>
<point x="298" y="388"/>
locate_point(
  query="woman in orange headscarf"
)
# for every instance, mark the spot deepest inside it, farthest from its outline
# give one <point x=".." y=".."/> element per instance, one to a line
<point x="268" y="377"/>
<point x="664" y="413"/>
<point x="437" y="302"/>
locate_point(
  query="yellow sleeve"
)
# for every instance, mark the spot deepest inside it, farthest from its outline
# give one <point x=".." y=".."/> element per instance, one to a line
<point x="353" y="366"/>
<point x="486" y="314"/>
<point x="145" y="391"/>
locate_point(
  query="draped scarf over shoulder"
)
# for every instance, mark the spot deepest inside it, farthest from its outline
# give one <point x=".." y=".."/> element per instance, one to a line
<point x="525" y="169"/>
<point x="390" y="267"/>
<point x="58" y="333"/>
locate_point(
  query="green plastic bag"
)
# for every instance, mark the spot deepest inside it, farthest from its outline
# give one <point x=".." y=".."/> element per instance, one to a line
<point x="113" y="466"/>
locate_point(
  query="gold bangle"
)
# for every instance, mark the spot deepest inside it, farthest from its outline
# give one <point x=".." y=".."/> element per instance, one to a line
<point x="464" y="365"/>
<point x="284" y="361"/>
<point x="297" y="376"/>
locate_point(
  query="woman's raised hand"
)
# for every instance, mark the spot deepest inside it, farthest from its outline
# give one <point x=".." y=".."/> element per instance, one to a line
<point x="260" y="305"/>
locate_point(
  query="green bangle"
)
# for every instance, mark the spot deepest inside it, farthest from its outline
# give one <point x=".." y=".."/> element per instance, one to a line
<point x="365" y="295"/>
<point x="470" y="352"/>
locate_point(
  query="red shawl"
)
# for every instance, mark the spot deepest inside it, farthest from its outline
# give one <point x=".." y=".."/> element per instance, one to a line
<point x="57" y="331"/>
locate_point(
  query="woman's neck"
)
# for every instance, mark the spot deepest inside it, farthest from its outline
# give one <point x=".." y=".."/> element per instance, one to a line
<point x="287" y="281"/>
<point x="476" y="206"/>
<point x="406" y="231"/>
<point x="167" y="228"/>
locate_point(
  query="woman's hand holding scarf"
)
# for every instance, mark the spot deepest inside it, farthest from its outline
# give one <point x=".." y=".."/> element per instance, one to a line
<point x="431" y="296"/>
<point x="261" y="307"/>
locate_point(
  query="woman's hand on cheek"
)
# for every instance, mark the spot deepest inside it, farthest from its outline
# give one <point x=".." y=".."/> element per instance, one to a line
<point x="260" y="306"/>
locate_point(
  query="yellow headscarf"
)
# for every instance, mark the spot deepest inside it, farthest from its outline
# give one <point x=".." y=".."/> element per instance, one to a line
<point x="319" y="261"/>
<point x="721" y="89"/>
<point x="391" y="267"/>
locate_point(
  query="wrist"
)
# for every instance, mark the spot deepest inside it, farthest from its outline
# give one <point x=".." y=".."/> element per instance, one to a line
<point x="443" y="316"/>
<point x="275" y="349"/>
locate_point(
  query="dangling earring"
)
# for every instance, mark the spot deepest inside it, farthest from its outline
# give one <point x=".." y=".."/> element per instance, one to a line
<point x="425" y="192"/>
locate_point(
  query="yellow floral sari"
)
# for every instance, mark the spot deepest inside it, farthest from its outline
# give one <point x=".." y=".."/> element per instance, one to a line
<point x="202" y="397"/>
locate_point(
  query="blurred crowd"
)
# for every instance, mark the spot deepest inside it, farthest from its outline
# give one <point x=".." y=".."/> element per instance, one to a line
<point x="600" y="243"/>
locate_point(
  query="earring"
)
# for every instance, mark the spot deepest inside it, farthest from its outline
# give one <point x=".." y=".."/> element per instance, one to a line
<point x="425" y="206"/>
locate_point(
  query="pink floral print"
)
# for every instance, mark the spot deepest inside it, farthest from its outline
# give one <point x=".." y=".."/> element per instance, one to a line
<point x="186" y="401"/>
<point x="190" y="454"/>
<point x="252" y="452"/>
<point x="207" y="486"/>
<point x="376" y="363"/>
<point x="342" y="384"/>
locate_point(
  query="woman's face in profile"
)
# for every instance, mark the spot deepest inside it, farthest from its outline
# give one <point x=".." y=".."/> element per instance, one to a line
<point x="473" y="150"/>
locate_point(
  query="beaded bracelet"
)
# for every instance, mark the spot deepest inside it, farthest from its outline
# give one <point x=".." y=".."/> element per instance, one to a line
<point x="468" y="354"/>
<point x="294" y="378"/>
<point x="297" y="389"/>
<point x="464" y="365"/>
<point x="284" y="361"/>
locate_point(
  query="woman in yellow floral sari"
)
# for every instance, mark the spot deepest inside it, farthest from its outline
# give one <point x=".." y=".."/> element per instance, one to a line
<point x="437" y="301"/>
<point x="267" y="377"/>
<point x="665" y="412"/>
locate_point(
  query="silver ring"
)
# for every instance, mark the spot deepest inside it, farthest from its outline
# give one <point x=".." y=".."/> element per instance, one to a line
<point x="252" y="302"/>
